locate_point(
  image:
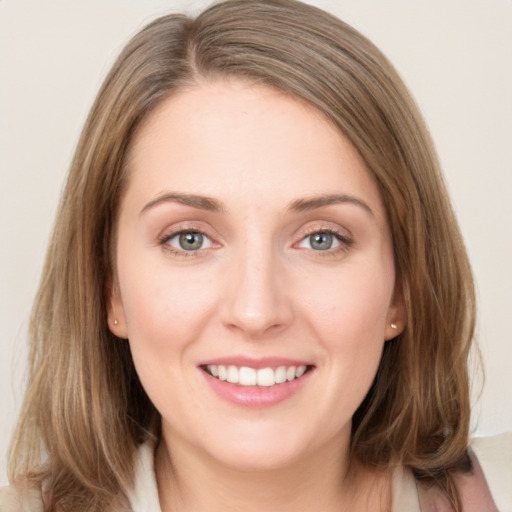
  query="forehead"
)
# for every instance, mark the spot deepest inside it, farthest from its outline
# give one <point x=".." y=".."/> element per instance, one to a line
<point x="233" y="138"/>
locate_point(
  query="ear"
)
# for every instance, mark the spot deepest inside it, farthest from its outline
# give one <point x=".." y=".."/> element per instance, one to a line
<point x="115" y="311"/>
<point x="397" y="314"/>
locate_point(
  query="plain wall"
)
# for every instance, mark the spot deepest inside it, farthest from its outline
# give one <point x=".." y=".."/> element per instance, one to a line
<point x="455" y="55"/>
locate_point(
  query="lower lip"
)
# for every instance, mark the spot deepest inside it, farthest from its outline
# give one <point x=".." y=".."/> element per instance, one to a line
<point x="255" y="396"/>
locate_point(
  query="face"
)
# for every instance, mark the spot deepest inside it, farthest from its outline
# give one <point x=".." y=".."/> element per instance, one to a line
<point x="255" y="276"/>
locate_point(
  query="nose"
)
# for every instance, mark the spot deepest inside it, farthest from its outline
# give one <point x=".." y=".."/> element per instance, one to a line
<point x="257" y="297"/>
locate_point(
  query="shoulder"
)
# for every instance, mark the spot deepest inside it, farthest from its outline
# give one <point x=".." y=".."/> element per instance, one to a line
<point x="487" y="488"/>
<point x="494" y="454"/>
<point x="13" y="499"/>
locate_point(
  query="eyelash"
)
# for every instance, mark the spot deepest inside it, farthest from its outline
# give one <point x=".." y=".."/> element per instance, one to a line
<point x="182" y="253"/>
<point x="345" y="242"/>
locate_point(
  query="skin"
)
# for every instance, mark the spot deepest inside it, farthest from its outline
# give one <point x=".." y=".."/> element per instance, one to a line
<point x="256" y="288"/>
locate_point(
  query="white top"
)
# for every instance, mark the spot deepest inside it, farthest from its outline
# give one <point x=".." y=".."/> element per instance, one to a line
<point x="494" y="455"/>
<point x="144" y="497"/>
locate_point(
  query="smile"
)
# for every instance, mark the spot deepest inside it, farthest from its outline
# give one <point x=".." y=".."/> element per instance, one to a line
<point x="247" y="376"/>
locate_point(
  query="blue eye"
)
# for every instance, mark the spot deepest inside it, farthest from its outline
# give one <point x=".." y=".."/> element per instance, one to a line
<point x="189" y="241"/>
<point x="321" y="241"/>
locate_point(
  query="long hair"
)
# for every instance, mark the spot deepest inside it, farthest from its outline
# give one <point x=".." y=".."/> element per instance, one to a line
<point x="85" y="411"/>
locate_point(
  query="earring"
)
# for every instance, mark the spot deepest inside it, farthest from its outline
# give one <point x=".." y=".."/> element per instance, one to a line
<point x="115" y="322"/>
<point x="393" y="326"/>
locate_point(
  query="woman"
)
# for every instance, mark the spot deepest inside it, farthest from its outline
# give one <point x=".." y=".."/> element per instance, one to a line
<point x="256" y="296"/>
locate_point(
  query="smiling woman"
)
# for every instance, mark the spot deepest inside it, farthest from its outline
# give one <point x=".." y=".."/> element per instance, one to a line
<point x="256" y="296"/>
<point x="236" y="300"/>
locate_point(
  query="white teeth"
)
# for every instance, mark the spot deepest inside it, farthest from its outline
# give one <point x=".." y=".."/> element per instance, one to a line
<point x="290" y="373"/>
<point x="232" y="374"/>
<point x="223" y="373"/>
<point x="281" y="375"/>
<point x="247" y="376"/>
<point x="300" y="371"/>
<point x="264" y="377"/>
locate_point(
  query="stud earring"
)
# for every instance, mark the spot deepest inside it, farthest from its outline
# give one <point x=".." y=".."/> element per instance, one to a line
<point x="393" y="326"/>
<point x="115" y="322"/>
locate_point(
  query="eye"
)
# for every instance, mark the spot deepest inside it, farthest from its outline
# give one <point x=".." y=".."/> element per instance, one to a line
<point x="189" y="241"/>
<point x="321" y="241"/>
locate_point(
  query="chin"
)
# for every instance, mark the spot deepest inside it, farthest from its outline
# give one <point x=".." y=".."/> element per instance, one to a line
<point x="257" y="459"/>
<point x="262" y="451"/>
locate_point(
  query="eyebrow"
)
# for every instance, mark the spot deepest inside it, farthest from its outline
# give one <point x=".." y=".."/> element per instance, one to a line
<point x="193" y="200"/>
<point x="312" y="203"/>
<point x="213" y="205"/>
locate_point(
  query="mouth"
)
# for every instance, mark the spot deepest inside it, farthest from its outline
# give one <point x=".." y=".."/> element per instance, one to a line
<point x="246" y="376"/>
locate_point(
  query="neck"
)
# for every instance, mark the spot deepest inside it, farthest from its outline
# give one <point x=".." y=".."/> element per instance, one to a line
<point x="192" y="481"/>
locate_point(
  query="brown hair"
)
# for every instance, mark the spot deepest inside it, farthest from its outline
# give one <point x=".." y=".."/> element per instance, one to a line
<point x="85" y="411"/>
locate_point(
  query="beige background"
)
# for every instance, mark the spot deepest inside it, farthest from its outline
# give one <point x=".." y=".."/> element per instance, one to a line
<point x="456" y="55"/>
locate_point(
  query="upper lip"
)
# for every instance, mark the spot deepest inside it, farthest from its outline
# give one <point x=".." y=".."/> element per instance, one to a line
<point x="256" y="363"/>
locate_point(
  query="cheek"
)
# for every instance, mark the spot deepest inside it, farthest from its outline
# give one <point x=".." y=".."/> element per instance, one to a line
<point x="165" y="315"/>
<point x="164" y="310"/>
<point x="349" y="317"/>
<point x="352" y="303"/>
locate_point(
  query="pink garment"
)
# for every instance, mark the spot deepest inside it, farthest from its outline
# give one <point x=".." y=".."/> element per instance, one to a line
<point x="473" y="488"/>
